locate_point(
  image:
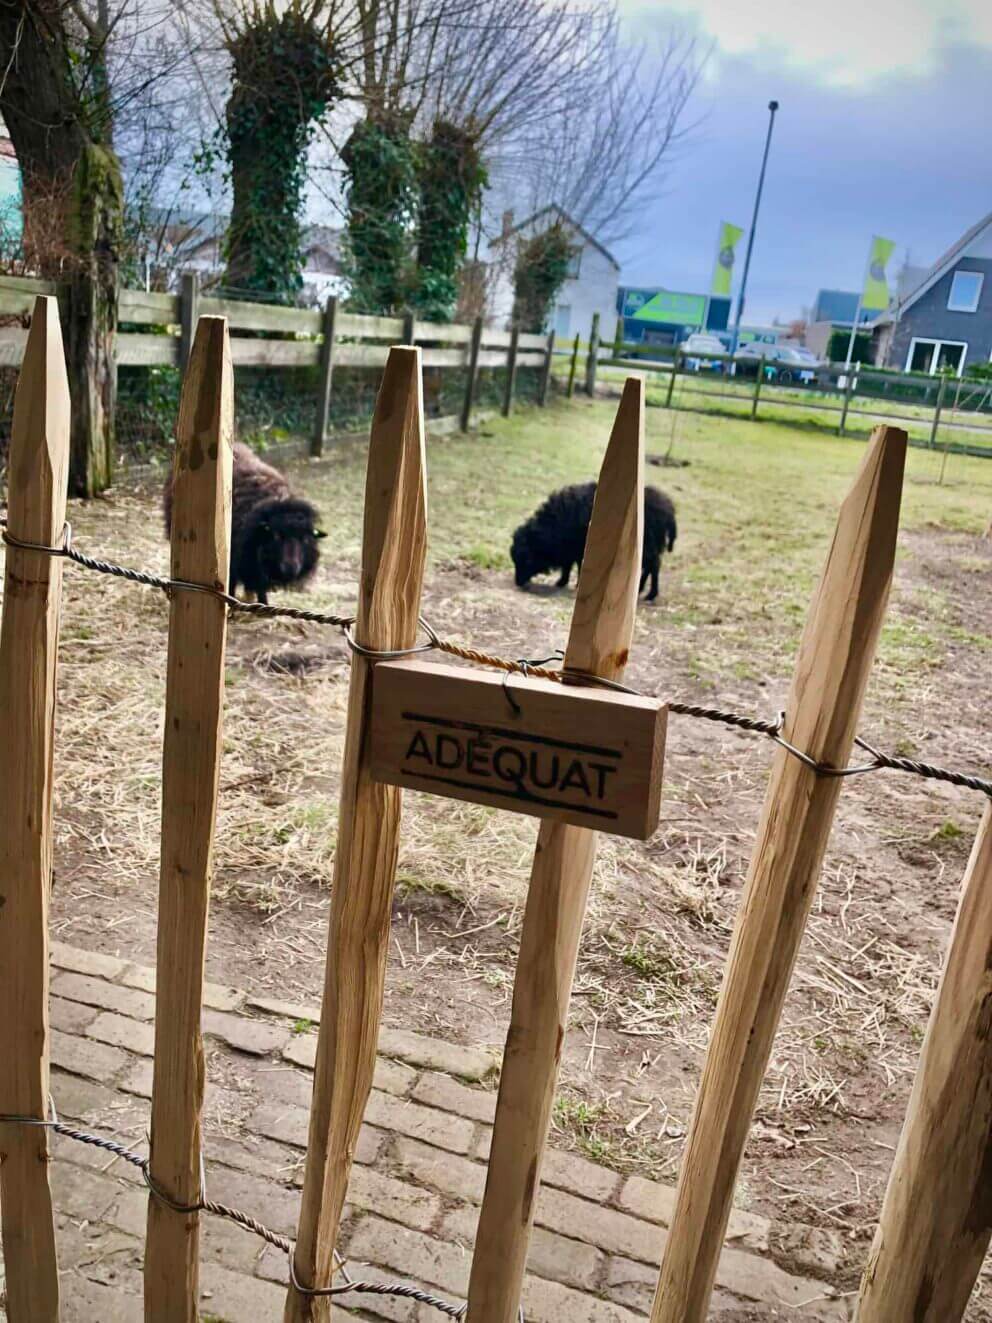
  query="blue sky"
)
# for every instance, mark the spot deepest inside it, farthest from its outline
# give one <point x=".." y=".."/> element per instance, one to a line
<point x="883" y="128"/>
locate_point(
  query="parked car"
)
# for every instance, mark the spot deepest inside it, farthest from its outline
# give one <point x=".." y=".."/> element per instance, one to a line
<point x="798" y="364"/>
<point x="748" y="357"/>
<point x="783" y="363"/>
<point x="697" y="347"/>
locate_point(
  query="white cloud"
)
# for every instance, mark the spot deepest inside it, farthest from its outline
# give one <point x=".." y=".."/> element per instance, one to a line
<point x="842" y="43"/>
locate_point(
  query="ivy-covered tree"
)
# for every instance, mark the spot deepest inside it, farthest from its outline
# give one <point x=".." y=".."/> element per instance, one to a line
<point x="540" y="271"/>
<point x="57" y="102"/>
<point x="380" y="161"/>
<point x="451" y="177"/>
<point x="285" y="77"/>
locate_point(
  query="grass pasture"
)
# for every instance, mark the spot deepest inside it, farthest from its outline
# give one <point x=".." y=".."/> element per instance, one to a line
<point x="756" y="505"/>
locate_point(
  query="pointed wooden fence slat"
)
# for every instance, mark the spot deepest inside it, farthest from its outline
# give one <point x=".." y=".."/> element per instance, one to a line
<point x="835" y="658"/>
<point x="201" y="531"/>
<point x="598" y="643"/>
<point x="937" y="1216"/>
<point x="38" y="479"/>
<point x="393" y="556"/>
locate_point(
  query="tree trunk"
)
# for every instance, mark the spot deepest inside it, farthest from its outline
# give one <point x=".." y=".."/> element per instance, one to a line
<point x="89" y="316"/>
<point x="73" y="209"/>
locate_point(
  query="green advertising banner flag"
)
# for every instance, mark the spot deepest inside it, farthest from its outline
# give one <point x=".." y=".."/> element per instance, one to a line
<point x="723" y="272"/>
<point x="875" y="296"/>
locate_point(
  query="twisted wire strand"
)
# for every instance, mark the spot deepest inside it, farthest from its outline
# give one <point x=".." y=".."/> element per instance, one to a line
<point x="403" y="1290"/>
<point x="168" y="585"/>
<point x="521" y="666"/>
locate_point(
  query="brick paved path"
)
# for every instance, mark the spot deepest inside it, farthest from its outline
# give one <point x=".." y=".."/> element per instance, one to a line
<point x="414" y="1195"/>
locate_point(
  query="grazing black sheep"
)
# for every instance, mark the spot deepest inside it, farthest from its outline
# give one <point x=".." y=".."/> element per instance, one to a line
<point x="273" y="533"/>
<point x="555" y="537"/>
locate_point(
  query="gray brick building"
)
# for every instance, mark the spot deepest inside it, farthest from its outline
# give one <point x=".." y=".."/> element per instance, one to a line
<point x="945" y="320"/>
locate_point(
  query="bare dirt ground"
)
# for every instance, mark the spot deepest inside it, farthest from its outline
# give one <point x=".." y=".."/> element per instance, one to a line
<point x="756" y="506"/>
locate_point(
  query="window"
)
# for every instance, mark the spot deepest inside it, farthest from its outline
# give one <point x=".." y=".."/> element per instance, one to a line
<point x="563" y="320"/>
<point x="950" y="355"/>
<point x="966" y="290"/>
<point x="936" y="356"/>
<point x="574" y="263"/>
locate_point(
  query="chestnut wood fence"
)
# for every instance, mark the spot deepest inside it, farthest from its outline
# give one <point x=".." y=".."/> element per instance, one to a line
<point x="935" y="1224"/>
<point x="294" y="338"/>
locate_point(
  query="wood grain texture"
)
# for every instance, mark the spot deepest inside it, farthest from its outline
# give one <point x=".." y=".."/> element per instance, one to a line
<point x="245" y="316"/>
<point x="194" y="698"/>
<point x="39" y="468"/>
<point x="330" y="323"/>
<point x="587" y="756"/>
<point x="937" y="1216"/>
<point x="352" y="355"/>
<point x="274" y="353"/>
<point x="441" y="333"/>
<point x="510" y="385"/>
<point x="472" y="376"/>
<point x="548" y="358"/>
<point x="145" y="308"/>
<point x="394" y="548"/>
<point x="189" y="314"/>
<point x="367" y="327"/>
<point x="141" y="349"/>
<point x="598" y="642"/>
<point x="835" y="658"/>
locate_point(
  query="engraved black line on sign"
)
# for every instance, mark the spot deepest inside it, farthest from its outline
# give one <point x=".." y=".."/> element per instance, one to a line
<point x="447" y="751"/>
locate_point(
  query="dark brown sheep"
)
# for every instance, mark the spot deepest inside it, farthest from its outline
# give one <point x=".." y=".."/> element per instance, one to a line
<point x="554" y="538"/>
<point x="274" y="534"/>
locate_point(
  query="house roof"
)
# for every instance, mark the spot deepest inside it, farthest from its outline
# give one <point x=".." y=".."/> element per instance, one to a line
<point x="562" y="214"/>
<point x="944" y="263"/>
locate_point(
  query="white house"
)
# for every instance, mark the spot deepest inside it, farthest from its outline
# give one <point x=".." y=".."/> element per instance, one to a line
<point x="591" y="287"/>
<point x="943" y="321"/>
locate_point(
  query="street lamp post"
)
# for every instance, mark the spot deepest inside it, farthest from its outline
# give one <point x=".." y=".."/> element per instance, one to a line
<point x="772" y="108"/>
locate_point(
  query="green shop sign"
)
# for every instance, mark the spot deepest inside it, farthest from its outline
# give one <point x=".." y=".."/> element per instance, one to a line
<point x="665" y="306"/>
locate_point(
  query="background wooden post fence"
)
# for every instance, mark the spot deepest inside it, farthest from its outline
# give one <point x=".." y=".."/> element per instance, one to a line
<point x="511" y="372"/>
<point x="393" y="555"/>
<point x="846" y="402"/>
<point x="201" y="532"/>
<point x="574" y="363"/>
<point x="757" y="389"/>
<point x="38" y="481"/>
<point x="189" y="312"/>
<point x="676" y="363"/>
<point x="938" y="405"/>
<point x="937" y="1217"/>
<point x="545" y="384"/>
<point x="592" y="357"/>
<point x="326" y="376"/>
<point x="824" y="705"/>
<point x="473" y="375"/>
<point x="602" y="626"/>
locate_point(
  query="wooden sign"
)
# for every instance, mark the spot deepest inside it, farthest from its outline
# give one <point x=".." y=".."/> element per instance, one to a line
<point x="582" y="755"/>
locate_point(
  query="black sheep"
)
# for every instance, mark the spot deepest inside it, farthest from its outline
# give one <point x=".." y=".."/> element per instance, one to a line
<point x="555" y="537"/>
<point x="273" y="533"/>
